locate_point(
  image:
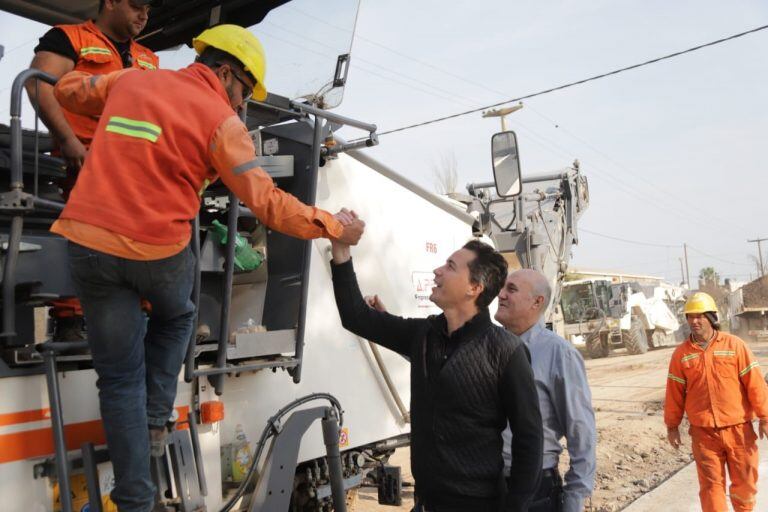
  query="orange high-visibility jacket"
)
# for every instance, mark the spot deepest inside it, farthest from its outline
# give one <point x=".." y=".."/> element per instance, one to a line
<point x="98" y="56"/>
<point x="162" y="138"/>
<point x="716" y="387"/>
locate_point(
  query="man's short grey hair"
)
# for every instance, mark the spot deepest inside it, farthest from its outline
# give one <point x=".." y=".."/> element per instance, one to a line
<point x="539" y="285"/>
<point x="541" y="288"/>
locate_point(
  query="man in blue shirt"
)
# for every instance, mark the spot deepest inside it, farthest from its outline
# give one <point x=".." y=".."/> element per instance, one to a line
<point x="564" y="396"/>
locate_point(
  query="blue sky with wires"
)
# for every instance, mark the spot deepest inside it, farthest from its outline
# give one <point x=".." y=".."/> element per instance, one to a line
<point x="673" y="151"/>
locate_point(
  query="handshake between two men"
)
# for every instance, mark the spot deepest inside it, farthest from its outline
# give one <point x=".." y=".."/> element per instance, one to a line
<point x="354" y="227"/>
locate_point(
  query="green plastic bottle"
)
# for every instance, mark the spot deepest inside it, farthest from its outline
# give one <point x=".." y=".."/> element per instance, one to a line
<point x="246" y="257"/>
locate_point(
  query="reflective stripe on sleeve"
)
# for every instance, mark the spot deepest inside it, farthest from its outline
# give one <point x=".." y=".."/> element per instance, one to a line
<point x="743" y="372"/>
<point x="676" y="379"/>
<point x="244" y="167"/>
<point x="134" y="128"/>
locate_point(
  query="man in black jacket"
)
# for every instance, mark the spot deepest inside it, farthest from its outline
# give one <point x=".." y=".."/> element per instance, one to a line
<point x="468" y="378"/>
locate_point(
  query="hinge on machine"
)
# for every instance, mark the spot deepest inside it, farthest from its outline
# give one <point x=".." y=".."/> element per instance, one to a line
<point x="16" y="201"/>
<point x="342" y="68"/>
<point x="277" y="427"/>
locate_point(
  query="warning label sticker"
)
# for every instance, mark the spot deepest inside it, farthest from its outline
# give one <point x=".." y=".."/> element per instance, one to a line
<point x="343" y="437"/>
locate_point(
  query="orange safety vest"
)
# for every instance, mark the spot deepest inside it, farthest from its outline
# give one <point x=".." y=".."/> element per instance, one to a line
<point x="154" y="153"/>
<point x="716" y="387"/>
<point x="98" y="56"/>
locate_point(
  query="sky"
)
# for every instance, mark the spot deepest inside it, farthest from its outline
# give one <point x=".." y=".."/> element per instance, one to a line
<point x="673" y="151"/>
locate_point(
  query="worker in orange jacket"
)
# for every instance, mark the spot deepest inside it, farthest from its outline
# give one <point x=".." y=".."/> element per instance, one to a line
<point x="98" y="47"/>
<point x="715" y="380"/>
<point x="128" y="222"/>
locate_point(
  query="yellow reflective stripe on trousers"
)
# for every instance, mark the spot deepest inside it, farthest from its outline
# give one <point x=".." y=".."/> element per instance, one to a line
<point x="134" y="128"/>
<point x="89" y="50"/>
<point x="743" y="372"/>
<point x="741" y="498"/>
<point x="676" y="379"/>
<point x="146" y="64"/>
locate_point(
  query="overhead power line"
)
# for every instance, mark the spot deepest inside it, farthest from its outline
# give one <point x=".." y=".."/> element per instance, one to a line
<point x="635" y="242"/>
<point x="717" y="257"/>
<point x="664" y="246"/>
<point x="578" y="82"/>
<point x="548" y="144"/>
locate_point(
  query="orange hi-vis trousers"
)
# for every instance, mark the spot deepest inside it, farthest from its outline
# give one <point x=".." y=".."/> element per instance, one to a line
<point x="715" y="448"/>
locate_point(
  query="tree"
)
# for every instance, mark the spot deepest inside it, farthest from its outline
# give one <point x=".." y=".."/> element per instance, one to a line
<point x="446" y="173"/>
<point x="756" y="261"/>
<point x="708" y="274"/>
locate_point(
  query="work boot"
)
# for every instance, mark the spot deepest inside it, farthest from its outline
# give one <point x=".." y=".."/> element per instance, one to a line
<point x="71" y="328"/>
<point x="158" y="437"/>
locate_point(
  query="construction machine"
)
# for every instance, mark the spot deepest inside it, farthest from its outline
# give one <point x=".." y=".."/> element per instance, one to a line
<point x="269" y="359"/>
<point x="605" y="315"/>
<point x="534" y="229"/>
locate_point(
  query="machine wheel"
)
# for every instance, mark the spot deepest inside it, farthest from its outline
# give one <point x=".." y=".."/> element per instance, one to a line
<point x="597" y="345"/>
<point x="635" y="339"/>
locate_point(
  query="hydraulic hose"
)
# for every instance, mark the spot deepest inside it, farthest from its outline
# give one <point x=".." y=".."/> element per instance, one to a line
<point x="269" y="431"/>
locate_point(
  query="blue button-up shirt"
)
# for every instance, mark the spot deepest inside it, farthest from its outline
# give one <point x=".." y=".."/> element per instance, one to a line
<point x="566" y="411"/>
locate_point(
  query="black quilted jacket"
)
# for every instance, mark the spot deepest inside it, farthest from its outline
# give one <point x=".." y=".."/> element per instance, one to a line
<point x="464" y="389"/>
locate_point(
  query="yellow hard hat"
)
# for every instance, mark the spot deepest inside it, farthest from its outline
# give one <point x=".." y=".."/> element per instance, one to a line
<point x="242" y="45"/>
<point x="700" y="302"/>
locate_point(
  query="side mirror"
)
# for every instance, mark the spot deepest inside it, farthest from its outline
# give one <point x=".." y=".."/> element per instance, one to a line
<point x="506" y="164"/>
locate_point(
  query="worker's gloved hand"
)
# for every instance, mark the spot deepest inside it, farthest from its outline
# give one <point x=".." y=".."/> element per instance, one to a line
<point x="673" y="436"/>
<point x="73" y="152"/>
<point x="375" y="302"/>
<point x="763" y="429"/>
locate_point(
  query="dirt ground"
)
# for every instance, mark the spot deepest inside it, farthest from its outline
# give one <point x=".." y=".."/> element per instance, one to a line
<point x="633" y="455"/>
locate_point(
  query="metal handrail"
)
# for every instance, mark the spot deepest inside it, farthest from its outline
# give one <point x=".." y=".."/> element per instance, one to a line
<point x="229" y="274"/>
<point x="317" y="137"/>
<point x="189" y="364"/>
<point x="217" y="373"/>
<point x="332" y="117"/>
<point x="17" y="201"/>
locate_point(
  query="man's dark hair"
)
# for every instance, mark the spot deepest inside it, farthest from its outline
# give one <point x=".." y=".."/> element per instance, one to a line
<point x="488" y="268"/>
<point x="213" y="58"/>
<point x="712" y="317"/>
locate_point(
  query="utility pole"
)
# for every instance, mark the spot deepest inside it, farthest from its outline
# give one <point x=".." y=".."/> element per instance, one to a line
<point x="759" y="253"/>
<point x="503" y="113"/>
<point x="682" y="270"/>
<point x="687" y="270"/>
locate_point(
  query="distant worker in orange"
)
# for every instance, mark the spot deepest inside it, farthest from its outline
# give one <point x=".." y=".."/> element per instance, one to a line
<point x="715" y="379"/>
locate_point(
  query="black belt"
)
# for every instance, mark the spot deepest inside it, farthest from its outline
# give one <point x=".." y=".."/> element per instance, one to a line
<point x="550" y="473"/>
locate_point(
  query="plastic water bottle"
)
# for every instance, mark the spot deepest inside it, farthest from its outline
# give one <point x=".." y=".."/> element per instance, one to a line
<point x="246" y="257"/>
<point x="242" y="456"/>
